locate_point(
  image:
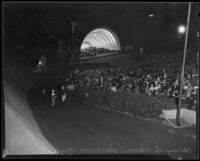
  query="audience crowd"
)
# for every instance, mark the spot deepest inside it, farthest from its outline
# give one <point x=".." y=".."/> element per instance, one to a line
<point x="160" y="75"/>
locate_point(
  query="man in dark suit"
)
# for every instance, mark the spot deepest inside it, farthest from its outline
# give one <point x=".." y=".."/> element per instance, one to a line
<point x="176" y="97"/>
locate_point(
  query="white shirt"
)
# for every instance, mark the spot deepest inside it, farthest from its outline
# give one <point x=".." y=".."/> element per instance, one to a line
<point x="113" y="89"/>
<point x="185" y="87"/>
<point x="53" y="94"/>
<point x="156" y="87"/>
<point x="158" y="79"/>
<point x="151" y="88"/>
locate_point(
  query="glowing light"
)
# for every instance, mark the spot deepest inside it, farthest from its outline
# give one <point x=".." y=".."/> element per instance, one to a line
<point x="181" y="29"/>
<point x="151" y="15"/>
<point x="93" y="41"/>
<point x="101" y="37"/>
<point x="105" y="37"/>
<point x="100" y="43"/>
<point x="85" y="45"/>
<point x="108" y="34"/>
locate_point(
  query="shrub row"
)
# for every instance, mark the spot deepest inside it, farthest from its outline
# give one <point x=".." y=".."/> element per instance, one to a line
<point x="138" y="105"/>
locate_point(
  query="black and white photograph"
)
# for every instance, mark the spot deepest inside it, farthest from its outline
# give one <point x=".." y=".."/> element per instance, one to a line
<point x="100" y="79"/>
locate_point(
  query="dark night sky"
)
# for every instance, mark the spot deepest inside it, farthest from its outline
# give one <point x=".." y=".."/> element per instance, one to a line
<point x="37" y="24"/>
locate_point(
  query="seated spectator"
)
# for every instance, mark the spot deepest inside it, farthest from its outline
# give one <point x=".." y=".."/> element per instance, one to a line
<point x="189" y="91"/>
<point x="158" y="79"/>
<point x="113" y="89"/>
<point x="176" y="83"/>
<point x="157" y="86"/>
<point x="152" y="89"/>
<point x="169" y="92"/>
<point x="137" y="90"/>
<point x="147" y="90"/>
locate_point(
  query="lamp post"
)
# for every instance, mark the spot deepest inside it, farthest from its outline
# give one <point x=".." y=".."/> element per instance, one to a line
<point x="181" y="29"/>
<point x="73" y="24"/>
<point x="73" y="29"/>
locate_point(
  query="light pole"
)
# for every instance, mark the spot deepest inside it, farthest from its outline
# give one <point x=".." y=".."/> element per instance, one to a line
<point x="73" y="23"/>
<point x="181" y="29"/>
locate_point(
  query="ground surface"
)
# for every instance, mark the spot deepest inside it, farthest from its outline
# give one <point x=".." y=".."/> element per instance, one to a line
<point x="22" y="133"/>
<point x="78" y="128"/>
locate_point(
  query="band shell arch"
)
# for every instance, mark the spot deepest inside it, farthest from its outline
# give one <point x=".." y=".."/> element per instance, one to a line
<point x="101" y="38"/>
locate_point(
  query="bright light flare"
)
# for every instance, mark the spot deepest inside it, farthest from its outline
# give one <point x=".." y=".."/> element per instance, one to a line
<point x="181" y="29"/>
<point x="151" y="15"/>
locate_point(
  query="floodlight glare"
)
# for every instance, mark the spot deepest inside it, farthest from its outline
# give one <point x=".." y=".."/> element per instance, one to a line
<point x="151" y="15"/>
<point x="181" y="29"/>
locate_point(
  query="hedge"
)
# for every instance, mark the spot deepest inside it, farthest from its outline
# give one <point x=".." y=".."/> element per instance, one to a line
<point x="139" y="105"/>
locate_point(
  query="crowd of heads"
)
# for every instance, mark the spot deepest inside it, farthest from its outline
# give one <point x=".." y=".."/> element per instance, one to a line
<point x="161" y="75"/>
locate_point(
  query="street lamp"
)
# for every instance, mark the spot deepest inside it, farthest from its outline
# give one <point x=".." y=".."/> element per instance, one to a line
<point x="73" y="24"/>
<point x="151" y="15"/>
<point x="181" y="29"/>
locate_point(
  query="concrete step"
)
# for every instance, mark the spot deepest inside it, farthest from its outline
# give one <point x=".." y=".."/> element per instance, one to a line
<point x="174" y="106"/>
<point x="188" y="116"/>
<point x="169" y="103"/>
<point x="173" y="103"/>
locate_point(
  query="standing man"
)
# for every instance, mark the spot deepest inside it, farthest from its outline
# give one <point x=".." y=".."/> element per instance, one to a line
<point x="44" y="94"/>
<point x="63" y="93"/>
<point x="189" y="92"/>
<point x="42" y="61"/>
<point x="191" y="100"/>
<point x="43" y="91"/>
<point x="176" y="97"/>
<point x="53" y="98"/>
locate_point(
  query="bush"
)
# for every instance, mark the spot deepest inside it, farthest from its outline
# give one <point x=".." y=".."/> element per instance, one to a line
<point x="138" y="105"/>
